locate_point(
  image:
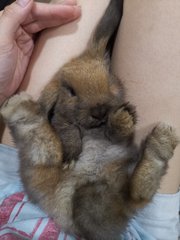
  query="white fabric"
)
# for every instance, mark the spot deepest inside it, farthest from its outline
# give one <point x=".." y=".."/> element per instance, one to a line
<point x="161" y="217"/>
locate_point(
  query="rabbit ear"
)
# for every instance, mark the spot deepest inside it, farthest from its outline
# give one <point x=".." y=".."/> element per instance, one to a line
<point x="116" y="87"/>
<point x="106" y="29"/>
<point x="49" y="96"/>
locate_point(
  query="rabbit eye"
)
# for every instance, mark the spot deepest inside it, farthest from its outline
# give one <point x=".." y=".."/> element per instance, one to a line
<point x="69" y="90"/>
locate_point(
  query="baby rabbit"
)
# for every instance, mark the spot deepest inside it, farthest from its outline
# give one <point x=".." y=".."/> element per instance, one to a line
<point x="84" y="91"/>
<point x="81" y="115"/>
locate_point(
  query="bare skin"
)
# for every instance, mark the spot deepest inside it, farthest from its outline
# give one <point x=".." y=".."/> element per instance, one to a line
<point x="141" y="39"/>
<point x="147" y="59"/>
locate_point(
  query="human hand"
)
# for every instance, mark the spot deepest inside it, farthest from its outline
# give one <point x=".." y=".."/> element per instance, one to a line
<point x="19" y="22"/>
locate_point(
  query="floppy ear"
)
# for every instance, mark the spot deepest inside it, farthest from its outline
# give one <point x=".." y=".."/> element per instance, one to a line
<point x="116" y="87"/>
<point x="49" y="95"/>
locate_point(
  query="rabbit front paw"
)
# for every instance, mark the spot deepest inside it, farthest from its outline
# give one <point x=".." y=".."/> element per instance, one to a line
<point x="121" y="123"/>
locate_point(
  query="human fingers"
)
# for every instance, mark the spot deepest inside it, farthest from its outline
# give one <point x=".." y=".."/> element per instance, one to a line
<point x="41" y="10"/>
<point x="13" y="16"/>
<point x="51" y="15"/>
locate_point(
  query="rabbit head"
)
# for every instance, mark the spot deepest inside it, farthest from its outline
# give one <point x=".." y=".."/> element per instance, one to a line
<point x="87" y="92"/>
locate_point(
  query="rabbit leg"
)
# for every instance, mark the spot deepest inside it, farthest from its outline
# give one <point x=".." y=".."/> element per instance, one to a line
<point x="159" y="148"/>
<point x="39" y="147"/>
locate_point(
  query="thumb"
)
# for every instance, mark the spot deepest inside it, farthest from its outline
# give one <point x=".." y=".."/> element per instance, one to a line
<point x="13" y="16"/>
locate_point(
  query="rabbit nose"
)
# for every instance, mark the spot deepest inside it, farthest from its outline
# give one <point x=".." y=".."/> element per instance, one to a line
<point x="99" y="112"/>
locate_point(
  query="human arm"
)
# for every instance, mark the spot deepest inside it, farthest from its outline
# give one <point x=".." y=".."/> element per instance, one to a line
<point x="19" y="23"/>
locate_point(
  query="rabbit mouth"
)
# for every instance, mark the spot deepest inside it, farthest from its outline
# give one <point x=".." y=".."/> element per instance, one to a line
<point x="94" y="124"/>
<point x="99" y="123"/>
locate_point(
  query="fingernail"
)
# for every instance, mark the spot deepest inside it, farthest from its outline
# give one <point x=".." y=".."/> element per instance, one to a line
<point x="77" y="11"/>
<point x="23" y="3"/>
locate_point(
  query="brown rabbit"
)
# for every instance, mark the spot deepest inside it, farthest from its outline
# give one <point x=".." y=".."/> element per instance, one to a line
<point x="82" y="116"/>
<point x="84" y="91"/>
